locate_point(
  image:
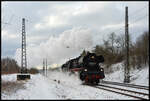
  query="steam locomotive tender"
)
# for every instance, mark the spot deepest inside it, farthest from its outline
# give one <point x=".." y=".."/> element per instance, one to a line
<point x="92" y="72"/>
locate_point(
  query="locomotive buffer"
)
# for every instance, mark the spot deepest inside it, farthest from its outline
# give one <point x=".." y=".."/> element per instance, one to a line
<point x="24" y="75"/>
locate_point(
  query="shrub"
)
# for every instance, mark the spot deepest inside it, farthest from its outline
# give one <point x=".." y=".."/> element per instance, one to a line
<point x="33" y="71"/>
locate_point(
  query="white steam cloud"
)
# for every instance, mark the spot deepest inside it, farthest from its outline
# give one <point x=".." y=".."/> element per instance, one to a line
<point x="59" y="49"/>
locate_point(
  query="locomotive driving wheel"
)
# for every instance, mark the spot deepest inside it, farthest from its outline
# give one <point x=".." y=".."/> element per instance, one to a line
<point x="97" y="81"/>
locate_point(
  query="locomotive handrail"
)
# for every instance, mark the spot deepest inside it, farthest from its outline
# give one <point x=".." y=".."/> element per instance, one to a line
<point x="77" y="69"/>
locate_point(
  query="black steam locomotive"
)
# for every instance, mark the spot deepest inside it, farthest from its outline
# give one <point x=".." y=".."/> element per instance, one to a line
<point x="88" y="67"/>
<point x="92" y="71"/>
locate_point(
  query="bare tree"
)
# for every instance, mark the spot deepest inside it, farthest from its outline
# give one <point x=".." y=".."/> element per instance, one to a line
<point x="9" y="65"/>
<point x="141" y="49"/>
<point x="112" y="38"/>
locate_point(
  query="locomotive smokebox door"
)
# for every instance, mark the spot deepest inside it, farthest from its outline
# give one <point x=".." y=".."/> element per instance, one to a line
<point x="23" y="76"/>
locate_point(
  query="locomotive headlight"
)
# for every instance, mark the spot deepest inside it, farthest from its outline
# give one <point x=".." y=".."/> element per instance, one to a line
<point x="101" y="69"/>
<point x="85" y="69"/>
<point x="92" y="57"/>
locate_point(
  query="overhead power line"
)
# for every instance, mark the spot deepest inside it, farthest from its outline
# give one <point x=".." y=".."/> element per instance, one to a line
<point x="137" y="11"/>
<point x="139" y="19"/>
<point x="122" y="27"/>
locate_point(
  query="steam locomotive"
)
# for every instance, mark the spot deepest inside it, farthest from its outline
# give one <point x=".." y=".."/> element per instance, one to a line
<point x="88" y="67"/>
<point x="92" y="71"/>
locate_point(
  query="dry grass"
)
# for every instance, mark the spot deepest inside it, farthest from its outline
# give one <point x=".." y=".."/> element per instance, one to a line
<point x="5" y="72"/>
<point x="11" y="87"/>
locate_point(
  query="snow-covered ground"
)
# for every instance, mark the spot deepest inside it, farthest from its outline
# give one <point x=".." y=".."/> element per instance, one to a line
<point x="139" y="77"/>
<point x="59" y="85"/>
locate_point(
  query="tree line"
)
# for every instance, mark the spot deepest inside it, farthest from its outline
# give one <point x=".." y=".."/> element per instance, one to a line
<point x="114" y="51"/>
<point x="9" y="66"/>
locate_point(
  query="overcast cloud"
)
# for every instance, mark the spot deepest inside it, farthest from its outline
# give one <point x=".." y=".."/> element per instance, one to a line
<point x="53" y="26"/>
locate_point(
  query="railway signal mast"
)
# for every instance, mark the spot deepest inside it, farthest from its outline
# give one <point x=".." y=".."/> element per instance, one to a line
<point x="126" y="74"/>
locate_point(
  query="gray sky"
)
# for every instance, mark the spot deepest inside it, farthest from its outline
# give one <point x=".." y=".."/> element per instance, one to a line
<point x="52" y="26"/>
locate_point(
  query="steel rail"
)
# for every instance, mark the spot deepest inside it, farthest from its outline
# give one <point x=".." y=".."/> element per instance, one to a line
<point x="141" y="98"/>
<point x="126" y="85"/>
<point x="125" y="90"/>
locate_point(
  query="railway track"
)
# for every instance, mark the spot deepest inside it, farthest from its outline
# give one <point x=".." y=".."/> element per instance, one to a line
<point x="121" y="91"/>
<point x="126" y="85"/>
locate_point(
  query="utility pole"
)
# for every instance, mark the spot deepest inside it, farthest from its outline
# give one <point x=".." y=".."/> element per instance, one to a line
<point x="126" y="74"/>
<point x="43" y="67"/>
<point x="23" y="75"/>
<point x="46" y="66"/>
<point x="23" y="54"/>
